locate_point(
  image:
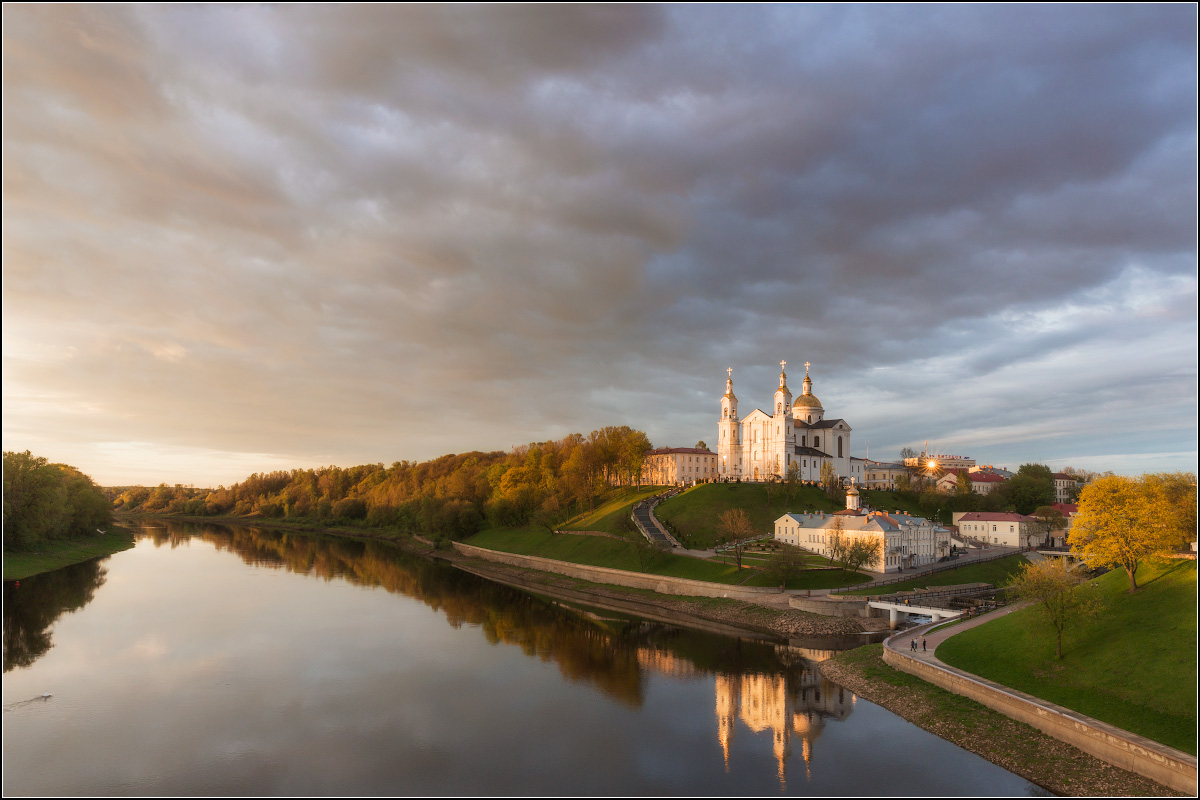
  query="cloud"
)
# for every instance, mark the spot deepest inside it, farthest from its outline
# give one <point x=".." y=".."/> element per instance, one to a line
<point x="383" y="232"/>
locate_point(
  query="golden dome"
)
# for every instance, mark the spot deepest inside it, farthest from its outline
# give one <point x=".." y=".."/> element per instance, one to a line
<point x="808" y="401"/>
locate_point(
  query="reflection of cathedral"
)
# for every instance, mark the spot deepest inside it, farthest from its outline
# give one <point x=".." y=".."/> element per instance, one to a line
<point x="765" y="702"/>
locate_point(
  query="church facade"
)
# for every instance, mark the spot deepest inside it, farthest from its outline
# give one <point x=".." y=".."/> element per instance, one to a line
<point x="762" y="444"/>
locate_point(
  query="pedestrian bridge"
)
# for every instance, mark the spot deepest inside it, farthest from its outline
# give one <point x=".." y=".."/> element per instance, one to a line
<point x="895" y="609"/>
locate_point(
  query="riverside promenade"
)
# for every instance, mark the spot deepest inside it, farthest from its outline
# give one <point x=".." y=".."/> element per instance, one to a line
<point x="1166" y="765"/>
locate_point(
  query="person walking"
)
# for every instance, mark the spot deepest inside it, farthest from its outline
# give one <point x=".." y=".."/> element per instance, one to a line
<point x="924" y="644"/>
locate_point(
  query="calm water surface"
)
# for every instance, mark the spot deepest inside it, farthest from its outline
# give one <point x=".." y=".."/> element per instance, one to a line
<point x="219" y="660"/>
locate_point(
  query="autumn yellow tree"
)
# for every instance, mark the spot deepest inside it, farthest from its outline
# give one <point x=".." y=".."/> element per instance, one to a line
<point x="1123" y="521"/>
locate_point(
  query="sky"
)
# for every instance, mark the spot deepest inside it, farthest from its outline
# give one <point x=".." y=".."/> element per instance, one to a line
<point x="239" y="239"/>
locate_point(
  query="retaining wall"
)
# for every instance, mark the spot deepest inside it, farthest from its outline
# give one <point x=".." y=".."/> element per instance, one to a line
<point x="833" y="606"/>
<point x="617" y="577"/>
<point x="1123" y="749"/>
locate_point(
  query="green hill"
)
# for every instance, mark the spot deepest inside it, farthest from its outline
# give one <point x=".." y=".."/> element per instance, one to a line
<point x="607" y="516"/>
<point x="1133" y="666"/>
<point x="694" y="515"/>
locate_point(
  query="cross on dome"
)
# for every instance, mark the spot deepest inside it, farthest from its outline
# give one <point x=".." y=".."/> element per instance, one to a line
<point x="806" y="366"/>
<point x="730" y="371"/>
<point x="782" y="364"/>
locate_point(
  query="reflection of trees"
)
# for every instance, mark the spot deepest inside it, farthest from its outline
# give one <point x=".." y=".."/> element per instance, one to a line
<point x="31" y="606"/>
<point x="613" y="657"/>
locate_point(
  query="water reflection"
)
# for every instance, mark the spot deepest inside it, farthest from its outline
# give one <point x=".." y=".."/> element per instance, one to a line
<point x="177" y="679"/>
<point x="32" y="605"/>
<point x="791" y="703"/>
<point x="767" y="686"/>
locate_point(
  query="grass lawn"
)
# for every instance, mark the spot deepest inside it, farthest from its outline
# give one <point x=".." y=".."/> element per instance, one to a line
<point x="811" y="579"/>
<point x="1000" y="572"/>
<point x="58" y="554"/>
<point x="1133" y="666"/>
<point x="695" y="513"/>
<point x="600" y="551"/>
<point x="608" y="515"/>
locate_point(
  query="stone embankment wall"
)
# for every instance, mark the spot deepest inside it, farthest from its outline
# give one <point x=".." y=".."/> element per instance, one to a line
<point x="834" y="606"/>
<point x="1158" y="762"/>
<point x="618" y="577"/>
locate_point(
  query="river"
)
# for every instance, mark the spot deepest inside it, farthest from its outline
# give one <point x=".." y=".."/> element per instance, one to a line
<point x="230" y="660"/>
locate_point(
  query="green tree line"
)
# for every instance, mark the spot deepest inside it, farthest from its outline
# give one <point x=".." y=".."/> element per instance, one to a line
<point x="448" y="497"/>
<point x="44" y="501"/>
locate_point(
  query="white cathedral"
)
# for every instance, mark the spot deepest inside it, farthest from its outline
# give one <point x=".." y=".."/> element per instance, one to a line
<point x="761" y="445"/>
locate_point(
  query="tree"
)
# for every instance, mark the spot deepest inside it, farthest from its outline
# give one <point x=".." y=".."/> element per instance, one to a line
<point x="1031" y="487"/>
<point x="829" y="479"/>
<point x="700" y="445"/>
<point x="785" y="563"/>
<point x="770" y="485"/>
<point x="863" y="550"/>
<point x="736" y="529"/>
<point x="836" y="541"/>
<point x="1123" y="521"/>
<point x="1051" y="520"/>
<point x="906" y="453"/>
<point x="962" y="484"/>
<point x="1060" y="592"/>
<point x="791" y="480"/>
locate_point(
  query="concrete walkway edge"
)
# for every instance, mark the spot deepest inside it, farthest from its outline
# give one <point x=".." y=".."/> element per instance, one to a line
<point x="1166" y="765"/>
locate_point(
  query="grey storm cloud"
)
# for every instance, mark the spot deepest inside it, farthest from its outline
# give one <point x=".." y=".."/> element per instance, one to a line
<point x="366" y="233"/>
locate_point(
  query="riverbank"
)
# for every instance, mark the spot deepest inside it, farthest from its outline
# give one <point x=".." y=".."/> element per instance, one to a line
<point x="1017" y="747"/>
<point x="54" y="555"/>
<point x="771" y="617"/>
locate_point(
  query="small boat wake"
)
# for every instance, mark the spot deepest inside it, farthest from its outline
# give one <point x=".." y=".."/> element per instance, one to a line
<point x="42" y="698"/>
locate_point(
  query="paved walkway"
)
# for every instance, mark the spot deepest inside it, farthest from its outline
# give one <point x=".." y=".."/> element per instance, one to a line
<point x="901" y="641"/>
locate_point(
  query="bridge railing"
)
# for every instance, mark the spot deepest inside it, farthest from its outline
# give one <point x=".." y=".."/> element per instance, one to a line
<point x="920" y="572"/>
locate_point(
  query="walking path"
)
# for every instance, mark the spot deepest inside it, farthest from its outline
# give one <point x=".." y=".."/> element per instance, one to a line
<point x="1107" y="742"/>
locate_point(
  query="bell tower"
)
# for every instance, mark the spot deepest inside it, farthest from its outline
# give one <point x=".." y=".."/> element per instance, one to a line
<point x="728" y="443"/>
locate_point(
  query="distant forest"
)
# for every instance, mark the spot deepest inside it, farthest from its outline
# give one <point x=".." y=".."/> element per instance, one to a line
<point x="449" y="497"/>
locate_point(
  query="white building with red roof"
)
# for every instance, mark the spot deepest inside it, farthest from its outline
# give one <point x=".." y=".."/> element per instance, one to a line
<point x="981" y="482"/>
<point x="668" y="466"/>
<point x="1064" y="487"/>
<point x="1005" y="528"/>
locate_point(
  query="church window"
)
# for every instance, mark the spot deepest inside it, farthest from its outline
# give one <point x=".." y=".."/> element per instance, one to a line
<point x="839" y="447"/>
<point x="817" y="442"/>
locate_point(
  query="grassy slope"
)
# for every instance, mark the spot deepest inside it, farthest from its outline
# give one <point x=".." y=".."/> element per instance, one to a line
<point x="1000" y="572"/>
<point x="607" y="515"/>
<point x="58" y="554"/>
<point x="1134" y="666"/>
<point x="600" y="551"/>
<point x="695" y="514"/>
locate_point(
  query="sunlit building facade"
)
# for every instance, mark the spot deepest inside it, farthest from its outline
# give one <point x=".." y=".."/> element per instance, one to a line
<point x="761" y="444"/>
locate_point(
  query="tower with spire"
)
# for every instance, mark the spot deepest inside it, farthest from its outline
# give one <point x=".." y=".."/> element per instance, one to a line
<point x="728" y="439"/>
